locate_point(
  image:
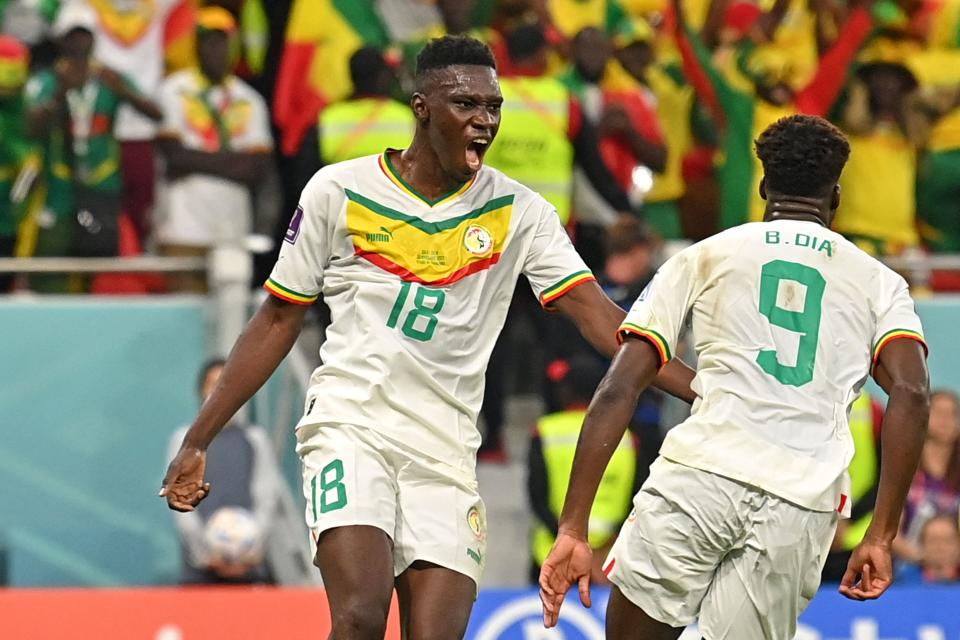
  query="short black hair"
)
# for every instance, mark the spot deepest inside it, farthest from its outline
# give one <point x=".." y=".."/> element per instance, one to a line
<point x="580" y="378"/>
<point x="367" y="68"/>
<point x="525" y="41"/>
<point x="449" y="51"/>
<point x="802" y="155"/>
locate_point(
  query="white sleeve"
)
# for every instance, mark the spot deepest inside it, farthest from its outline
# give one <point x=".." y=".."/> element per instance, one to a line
<point x="552" y="265"/>
<point x="896" y="315"/>
<point x="660" y="310"/>
<point x="298" y="275"/>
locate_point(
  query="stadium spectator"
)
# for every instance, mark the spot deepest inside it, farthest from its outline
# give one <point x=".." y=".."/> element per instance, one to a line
<point x="878" y="210"/>
<point x="72" y="111"/>
<point x="743" y="112"/>
<point x="626" y="117"/>
<point x="938" y="179"/>
<point x="543" y="133"/>
<point x="550" y="459"/>
<point x="673" y="97"/>
<point x="936" y="487"/>
<point x="141" y="39"/>
<point x="18" y="159"/>
<point x="216" y="143"/>
<point x="370" y="120"/>
<point x="243" y="464"/>
<point x="865" y="416"/>
<point x="939" y="552"/>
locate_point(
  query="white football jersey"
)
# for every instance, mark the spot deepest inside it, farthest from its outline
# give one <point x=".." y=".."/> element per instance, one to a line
<point x="418" y="291"/>
<point x="787" y="318"/>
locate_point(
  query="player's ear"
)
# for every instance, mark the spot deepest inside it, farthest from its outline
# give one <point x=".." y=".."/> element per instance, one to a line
<point x="420" y="109"/>
<point x="835" y="198"/>
<point x="763" y="188"/>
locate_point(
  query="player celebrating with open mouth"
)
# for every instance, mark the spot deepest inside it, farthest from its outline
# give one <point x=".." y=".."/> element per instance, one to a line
<point x="416" y="253"/>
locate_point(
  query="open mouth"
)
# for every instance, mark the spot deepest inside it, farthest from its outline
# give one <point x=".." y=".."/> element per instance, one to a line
<point x="475" y="151"/>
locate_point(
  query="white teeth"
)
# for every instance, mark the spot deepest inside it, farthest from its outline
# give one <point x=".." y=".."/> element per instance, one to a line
<point x="483" y="142"/>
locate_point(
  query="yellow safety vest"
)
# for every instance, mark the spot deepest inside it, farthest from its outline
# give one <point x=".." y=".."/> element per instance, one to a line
<point x="532" y="146"/>
<point x="364" y="127"/>
<point x="863" y="467"/>
<point x="558" y="436"/>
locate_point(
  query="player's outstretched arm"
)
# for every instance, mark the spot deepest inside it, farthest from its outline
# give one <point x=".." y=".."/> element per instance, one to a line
<point x="633" y="368"/>
<point x="598" y="318"/>
<point x="902" y="373"/>
<point x="266" y="340"/>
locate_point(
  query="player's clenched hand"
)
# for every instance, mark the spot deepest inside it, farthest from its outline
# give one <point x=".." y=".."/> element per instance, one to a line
<point x="870" y="562"/>
<point x="569" y="561"/>
<point x="183" y="486"/>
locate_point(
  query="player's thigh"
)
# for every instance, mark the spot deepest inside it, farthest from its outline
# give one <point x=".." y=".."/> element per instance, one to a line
<point x="440" y="518"/>
<point x="762" y="588"/>
<point x="683" y="523"/>
<point x="348" y="479"/>
<point x="627" y="620"/>
<point x="356" y="563"/>
<point x="435" y="602"/>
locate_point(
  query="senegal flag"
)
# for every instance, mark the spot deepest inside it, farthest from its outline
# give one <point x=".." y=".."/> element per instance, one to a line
<point x="314" y="68"/>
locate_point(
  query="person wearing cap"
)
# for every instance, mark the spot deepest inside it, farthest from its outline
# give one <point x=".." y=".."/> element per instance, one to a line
<point x="744" y="108"/>
<point x="142" y="39"/>
<point x="216" y="144"/>
<point x="18" y="158"/>
<point x="72" y="111"/>
<point x="878" y="210"/>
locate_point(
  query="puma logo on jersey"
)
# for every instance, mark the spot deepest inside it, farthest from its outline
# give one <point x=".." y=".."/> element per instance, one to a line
<point x="386" y="236"/>
<point x="476" y="556"/>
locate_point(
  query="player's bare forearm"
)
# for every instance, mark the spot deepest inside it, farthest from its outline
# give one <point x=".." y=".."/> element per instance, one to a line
<point x="610" y="411"/>
<point x="675" y="378"/>
<point x="902" y="373"/>
<point x="596" y="316"/>
<point x="264" y="343"/>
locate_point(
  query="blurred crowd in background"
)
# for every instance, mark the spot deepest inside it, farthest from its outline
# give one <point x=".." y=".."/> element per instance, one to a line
<point x="168" y="127"/>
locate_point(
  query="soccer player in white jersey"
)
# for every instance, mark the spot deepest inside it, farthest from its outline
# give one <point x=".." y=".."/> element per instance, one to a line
<point x="735" y="521"/>
<point x="416" y="253"/>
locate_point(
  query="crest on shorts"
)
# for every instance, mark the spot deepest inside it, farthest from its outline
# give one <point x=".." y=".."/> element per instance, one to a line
<point x="476" y="524"/>
<point x="478" y="240"/>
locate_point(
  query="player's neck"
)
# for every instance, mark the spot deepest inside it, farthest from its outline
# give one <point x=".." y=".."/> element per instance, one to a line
<point x="799" y="208"/>
<point x="420" y="167"/>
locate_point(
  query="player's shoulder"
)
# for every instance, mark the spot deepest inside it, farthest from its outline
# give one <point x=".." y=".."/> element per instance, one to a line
<point x="337" y="178"/>
<point x="493" y="183"/>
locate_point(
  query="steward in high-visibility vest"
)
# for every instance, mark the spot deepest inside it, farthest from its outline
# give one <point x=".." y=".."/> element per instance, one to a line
<point x="864" y="479"/>
<point x="370" y="122"/>
<point x="532" y="145"/>
<point x="551" y="460"/>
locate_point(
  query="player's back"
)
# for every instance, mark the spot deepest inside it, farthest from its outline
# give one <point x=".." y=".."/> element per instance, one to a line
<point x="786" y="317"/>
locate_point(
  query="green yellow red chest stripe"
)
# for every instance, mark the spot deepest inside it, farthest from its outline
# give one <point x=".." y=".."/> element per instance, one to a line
<point x="434" y="253"/>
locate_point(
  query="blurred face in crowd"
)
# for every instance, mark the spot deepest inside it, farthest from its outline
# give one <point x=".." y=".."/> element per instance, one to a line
<point x="591" y="52"/>
<point x="779" y="93"/>
<point x="887" y="87"/>
<point x="943" y="427"/>
<point x="630" y="266"/>
<point x="635" y="58"/>
<point x="458" y="107"/>
<point x="210" y="381"/>
<point x="941" y="544"/>
<point x="213" y="50"/>
<point x="77" y="43"/>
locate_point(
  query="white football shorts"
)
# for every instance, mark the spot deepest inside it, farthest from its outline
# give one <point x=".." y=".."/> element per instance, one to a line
<point x="431" y="511"/>
<point x="699" y="545"/>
